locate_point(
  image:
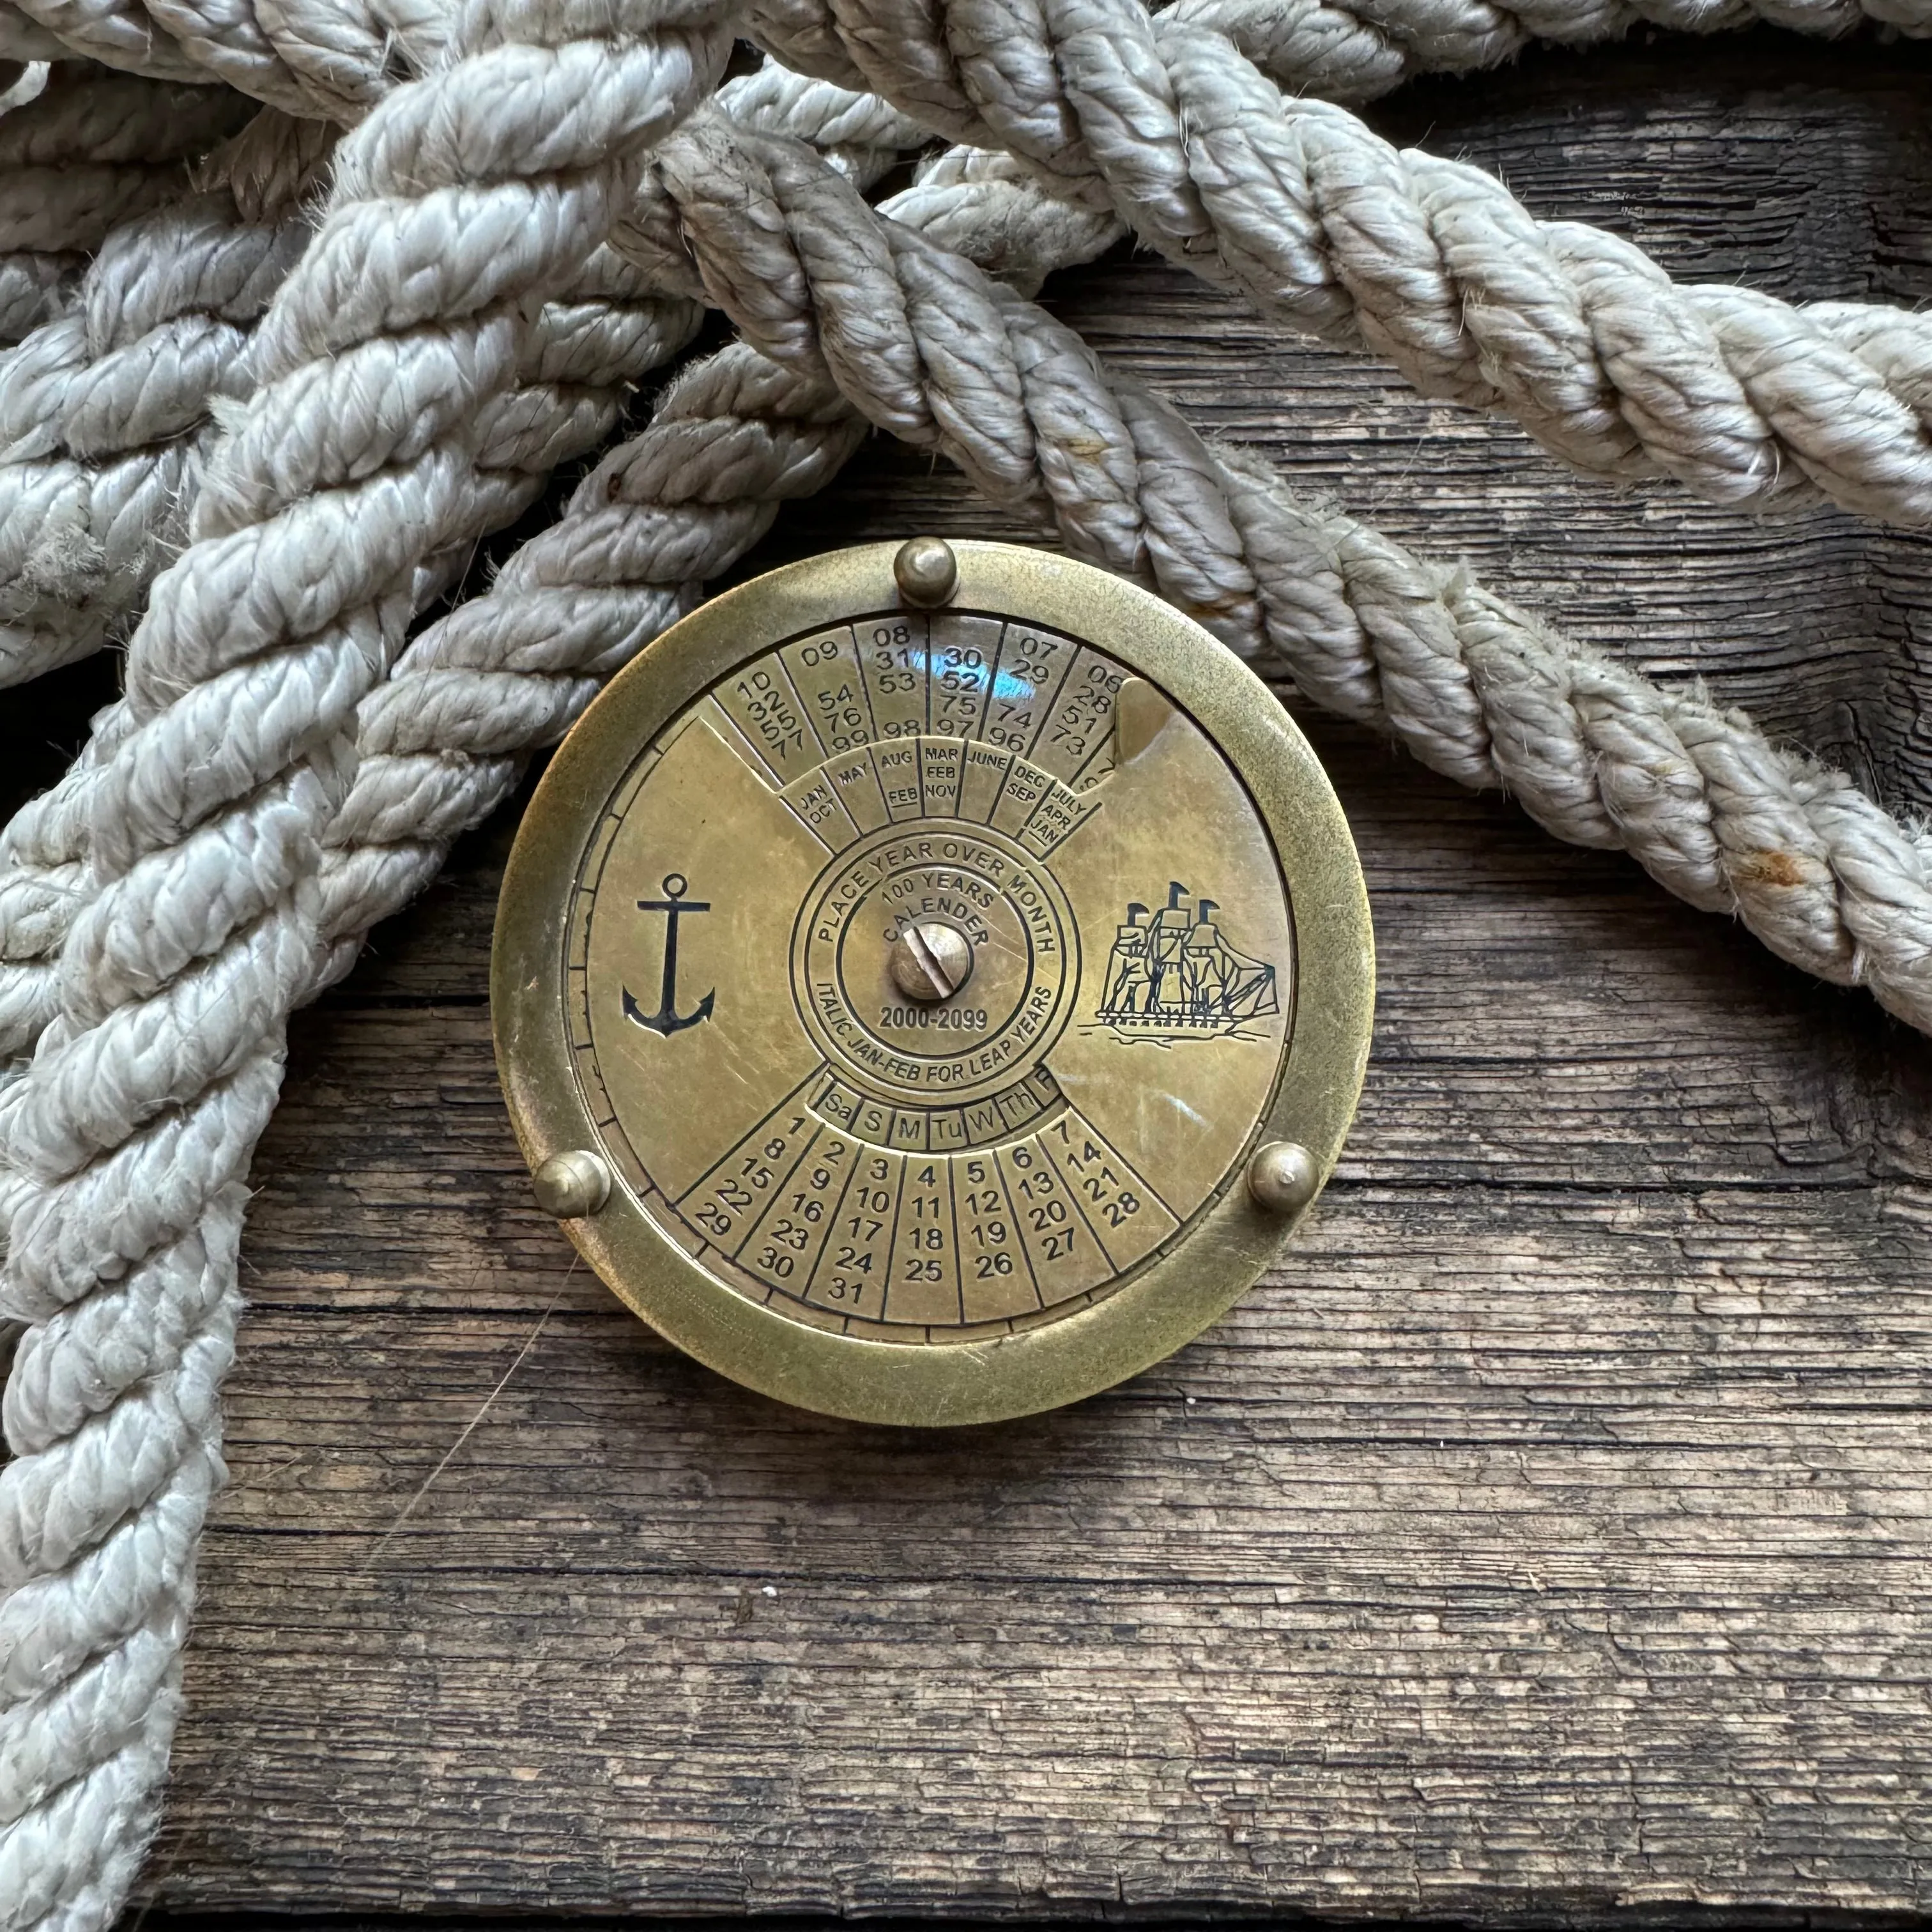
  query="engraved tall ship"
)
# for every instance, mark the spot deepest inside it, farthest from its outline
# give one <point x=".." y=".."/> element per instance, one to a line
<point x="1171" y="975"/>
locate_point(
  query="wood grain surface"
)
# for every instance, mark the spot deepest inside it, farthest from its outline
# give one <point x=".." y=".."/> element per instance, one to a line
<point x="1546" y="1541"/>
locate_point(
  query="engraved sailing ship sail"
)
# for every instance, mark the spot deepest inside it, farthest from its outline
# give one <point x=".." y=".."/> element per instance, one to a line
<point x="1171" y="974"/>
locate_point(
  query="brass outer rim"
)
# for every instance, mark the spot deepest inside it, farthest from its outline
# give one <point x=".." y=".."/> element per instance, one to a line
<point x="1231" y="1240"/>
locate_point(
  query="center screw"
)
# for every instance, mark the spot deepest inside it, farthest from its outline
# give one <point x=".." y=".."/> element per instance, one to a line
<point x="930" y="960"/>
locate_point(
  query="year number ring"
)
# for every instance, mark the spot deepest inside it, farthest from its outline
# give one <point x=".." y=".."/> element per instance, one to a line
<point x="932" y="981"/>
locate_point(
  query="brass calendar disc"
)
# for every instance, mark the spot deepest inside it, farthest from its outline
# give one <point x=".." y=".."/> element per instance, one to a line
<point x="931" y="994"/>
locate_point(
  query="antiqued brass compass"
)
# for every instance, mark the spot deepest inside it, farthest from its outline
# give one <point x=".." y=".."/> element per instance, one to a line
<point x="931" y="982"/>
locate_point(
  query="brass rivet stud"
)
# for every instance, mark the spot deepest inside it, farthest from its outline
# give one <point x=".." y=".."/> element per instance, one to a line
<point x="927" y="572"/>
<point x="572" y="1185"/>
<point x="930" y="960"/>
<point x="1282" y="1177"/>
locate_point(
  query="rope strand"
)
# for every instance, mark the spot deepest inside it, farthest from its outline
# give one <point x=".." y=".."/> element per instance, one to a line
<point x="1595" y="367"/>
<point x="104" y="414"/>
<point x="332" y="62"/>
<point x="88" y="152"/>
<point x="105" y="417"/>
<point x="1430" y="264"/>
<point x="1354" y="53"/>
<point x="460" y="198"/>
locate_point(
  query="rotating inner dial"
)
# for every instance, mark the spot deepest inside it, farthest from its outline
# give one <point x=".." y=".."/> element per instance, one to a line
<point x="929" y="976"/>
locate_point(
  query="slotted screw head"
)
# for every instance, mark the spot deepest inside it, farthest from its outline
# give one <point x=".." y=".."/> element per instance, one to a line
<point x="930" y="960"/>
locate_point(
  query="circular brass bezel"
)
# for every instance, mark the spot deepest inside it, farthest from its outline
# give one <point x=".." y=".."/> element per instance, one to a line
<point x="1172" y="1297"/>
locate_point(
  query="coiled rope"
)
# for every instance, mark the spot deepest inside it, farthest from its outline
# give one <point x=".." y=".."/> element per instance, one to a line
<point x="105" y="416"/>
<point x="217" y="852"/>
<point x="1620" y="371"/>
<point x="495" y="177"/>
<point x="87" y="150"/>
<point x="1431" y="264"/>
<point x="105" y="413"/>
<point x="330" y="59"/>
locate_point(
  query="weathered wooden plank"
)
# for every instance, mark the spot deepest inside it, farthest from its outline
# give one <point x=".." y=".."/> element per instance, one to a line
<point x="1547" y="1535"/>
<point x="1547" y="1539"/>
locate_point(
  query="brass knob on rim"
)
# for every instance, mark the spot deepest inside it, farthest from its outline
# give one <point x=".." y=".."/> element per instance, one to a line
<point x="926" y="571"/>
<point x="572" y="1185"/>
<point x="1282" y="1177"/>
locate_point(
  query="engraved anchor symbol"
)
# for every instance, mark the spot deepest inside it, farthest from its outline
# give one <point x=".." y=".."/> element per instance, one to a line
<point x="668" y="1020"/>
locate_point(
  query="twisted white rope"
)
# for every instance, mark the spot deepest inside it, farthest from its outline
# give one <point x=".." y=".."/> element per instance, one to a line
<point x="460" y="196"/>
<point x="125" y="41"/>
<point x="1860" y="393"/>
<point x="33" y="288"/>
<point x="1357" y="55"/>
<point x="110" y="415"/>
<point x="309" y="59"/>
<point x="1429" y="263"/>
<point x="105" y="415"/>
<point x="1356" y="52"/>
<point x="88" y="151"/>
<point x="328" y="59"/>
<point x="93" y="147"/>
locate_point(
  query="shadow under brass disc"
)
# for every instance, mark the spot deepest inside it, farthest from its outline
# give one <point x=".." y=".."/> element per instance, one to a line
<point x="932" y="995"/>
